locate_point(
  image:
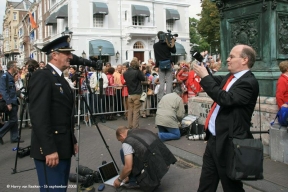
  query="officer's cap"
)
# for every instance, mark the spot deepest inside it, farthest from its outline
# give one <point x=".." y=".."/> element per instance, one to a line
<point x="60" y="44"/>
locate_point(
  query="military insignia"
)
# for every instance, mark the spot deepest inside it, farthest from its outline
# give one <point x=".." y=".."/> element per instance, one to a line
<point x="61" y="90"/>
<point x="53" y="72"/>
<point x="68" y="39"/>
<point x="58" y="84"/>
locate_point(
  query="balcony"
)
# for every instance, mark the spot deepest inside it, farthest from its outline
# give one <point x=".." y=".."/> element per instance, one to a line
<point x="141" y="30"/>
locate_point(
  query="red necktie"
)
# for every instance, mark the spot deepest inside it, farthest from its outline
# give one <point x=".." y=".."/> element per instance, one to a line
<point x="214" y="104"/>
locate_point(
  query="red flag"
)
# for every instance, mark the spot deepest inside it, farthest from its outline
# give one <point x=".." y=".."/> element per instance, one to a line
<point x="32" y="21"/>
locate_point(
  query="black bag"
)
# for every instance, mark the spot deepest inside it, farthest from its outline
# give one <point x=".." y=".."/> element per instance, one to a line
<point x="245" y="159"/>
<point x="3" y="106"/>
<point x="190" y="126"/>
<point x="166" y="64"/>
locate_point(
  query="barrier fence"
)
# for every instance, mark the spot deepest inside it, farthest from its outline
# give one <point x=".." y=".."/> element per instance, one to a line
<point x="113" y="101"/>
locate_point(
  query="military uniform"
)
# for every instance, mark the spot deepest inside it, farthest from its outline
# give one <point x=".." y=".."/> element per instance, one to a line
<point x="51" y="107"/>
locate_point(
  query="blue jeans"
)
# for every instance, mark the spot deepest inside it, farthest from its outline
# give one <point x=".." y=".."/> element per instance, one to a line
<point x="167" y="133"/>
<point x="11" y="124"/>
<point x="132" y="179"/>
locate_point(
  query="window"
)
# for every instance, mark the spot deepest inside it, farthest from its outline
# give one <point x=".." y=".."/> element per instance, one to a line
<point x="53" y="2"/>
<point x="138" y="45"/>
<point x="138" y="20"/>
<point x="15" y="44"/>
<point x="7" y="32"/>
<point x="169" y="24"/>
<point x="98" y="20"/>
<point x="20" y="32"/>
<point x="14" y="16"/>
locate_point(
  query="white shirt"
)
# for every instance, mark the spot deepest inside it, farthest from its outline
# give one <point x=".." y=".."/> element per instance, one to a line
<point x="56" y="69"/>
<point x="211" y="124"/>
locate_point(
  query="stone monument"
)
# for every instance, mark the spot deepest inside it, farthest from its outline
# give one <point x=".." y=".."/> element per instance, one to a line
<point x="263" y="25"/>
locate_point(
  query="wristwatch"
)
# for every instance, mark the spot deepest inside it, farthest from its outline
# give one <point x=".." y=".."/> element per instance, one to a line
<point x="120" y="180"/>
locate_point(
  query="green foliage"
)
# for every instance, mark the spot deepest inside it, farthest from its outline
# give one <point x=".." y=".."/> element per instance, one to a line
<point x="209" y="24"/>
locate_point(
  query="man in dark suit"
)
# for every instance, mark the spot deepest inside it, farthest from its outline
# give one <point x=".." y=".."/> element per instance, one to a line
<point x="235" y="97"/>
<point x="52" y="117"/>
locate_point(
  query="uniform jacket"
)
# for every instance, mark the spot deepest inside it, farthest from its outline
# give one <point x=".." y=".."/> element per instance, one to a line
<point x="51" y="107"/>
<point x="170" y="110"/>
<point x="9" y="95"/>
<point x="236" y="108"/>
<point x="151" y="160"/>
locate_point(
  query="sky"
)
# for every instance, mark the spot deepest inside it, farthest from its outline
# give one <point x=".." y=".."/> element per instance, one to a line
<point x="194" y="9"/>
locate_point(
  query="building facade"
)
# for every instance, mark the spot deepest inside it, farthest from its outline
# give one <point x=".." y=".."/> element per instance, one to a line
<point x="13" y="13"/>
<point x="122" y="28"/>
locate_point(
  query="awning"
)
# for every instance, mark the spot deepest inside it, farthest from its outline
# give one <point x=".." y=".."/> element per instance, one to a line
<point x="51" y="19"/>
<point x="62" y="12"/>
<point x="100" y="8"/>
<point x="179" y="50"/>
<point x="140" y="10"/>
<point x="107" y="48"/>
<point x="172" y="14"/>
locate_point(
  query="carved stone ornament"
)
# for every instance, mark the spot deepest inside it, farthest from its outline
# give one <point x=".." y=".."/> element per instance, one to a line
<point x="244" y="32"/>
<point x="283" y="34"/>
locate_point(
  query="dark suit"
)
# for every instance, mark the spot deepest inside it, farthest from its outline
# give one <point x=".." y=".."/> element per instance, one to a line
<point x="51" y="106"/>
<point x="236" y="108"/>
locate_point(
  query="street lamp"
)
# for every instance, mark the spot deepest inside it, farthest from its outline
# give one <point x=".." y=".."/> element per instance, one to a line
<point x="84" y="55"/>
<point x="100" y="50"/>
<point x="67" y="32"/>
<point x="117" y="55"/>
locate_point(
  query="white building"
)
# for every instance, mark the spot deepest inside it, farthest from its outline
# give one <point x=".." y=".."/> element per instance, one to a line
<point x="124" y="28"/>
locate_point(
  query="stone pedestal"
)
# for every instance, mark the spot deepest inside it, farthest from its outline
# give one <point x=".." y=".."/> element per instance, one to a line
<point x="278" y="145"/>
<point x="200" y="106"/>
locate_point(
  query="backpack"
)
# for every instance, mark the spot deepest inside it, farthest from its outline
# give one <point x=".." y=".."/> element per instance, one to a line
<point x="282" y="116"/>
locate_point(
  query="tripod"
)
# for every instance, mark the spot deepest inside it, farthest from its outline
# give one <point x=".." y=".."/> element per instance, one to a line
<point x="83" y="99"/>
<point x="26" y="150"/>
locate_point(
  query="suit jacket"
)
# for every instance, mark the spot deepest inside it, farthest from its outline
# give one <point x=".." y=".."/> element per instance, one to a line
<point x="51" y="107"/>
<point x="236" y="108"/>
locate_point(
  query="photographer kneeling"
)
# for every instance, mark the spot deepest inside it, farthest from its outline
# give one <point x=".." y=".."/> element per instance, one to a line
<point x="141" y="165"/>
<point x="170" y="110"/>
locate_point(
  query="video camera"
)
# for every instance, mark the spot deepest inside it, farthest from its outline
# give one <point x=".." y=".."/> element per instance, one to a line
<point x="93" y="62"/>
<point x="199" y="57"/>
<point x="167" y="36"/>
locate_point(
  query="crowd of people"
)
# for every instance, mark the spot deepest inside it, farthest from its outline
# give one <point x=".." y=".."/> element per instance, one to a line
<point x="132" y="90"/>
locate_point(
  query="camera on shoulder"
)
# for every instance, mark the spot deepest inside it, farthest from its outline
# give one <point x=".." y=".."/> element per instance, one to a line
<point x="167" y="36"/>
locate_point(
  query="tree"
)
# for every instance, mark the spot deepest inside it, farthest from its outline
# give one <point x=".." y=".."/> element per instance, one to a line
<point x="209" y="23"/>
<point x="195" y="37"/>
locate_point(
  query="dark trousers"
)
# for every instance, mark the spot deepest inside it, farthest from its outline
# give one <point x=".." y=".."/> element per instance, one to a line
<point x="212" y="172"/>
<point x="53" y="179"/>
<point x="118" y="106"/>
<point x="11" y="124"/>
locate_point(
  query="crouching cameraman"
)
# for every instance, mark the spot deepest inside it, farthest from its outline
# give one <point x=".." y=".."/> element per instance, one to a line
<point x="162" y="51"/>
<point x="170" y="110"/>
<point x="143" y="168"/>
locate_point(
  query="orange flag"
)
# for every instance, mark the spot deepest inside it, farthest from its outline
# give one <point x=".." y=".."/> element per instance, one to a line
<point x="32" y="21"/>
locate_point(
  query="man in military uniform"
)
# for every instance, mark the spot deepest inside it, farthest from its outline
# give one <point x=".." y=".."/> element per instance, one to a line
<point x="52" y="117"/>
<point x="8" y="92"/>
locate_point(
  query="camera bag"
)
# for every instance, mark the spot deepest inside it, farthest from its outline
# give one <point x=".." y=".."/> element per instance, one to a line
<point x="245" y="157"/>
<point x="164" y="65"/>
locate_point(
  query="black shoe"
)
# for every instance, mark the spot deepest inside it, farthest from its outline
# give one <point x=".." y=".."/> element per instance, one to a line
<point x="16" y="141"/>
<point x="1" y="141"/>
<point x="131" y="186"/>
<point x="103" y="120"/>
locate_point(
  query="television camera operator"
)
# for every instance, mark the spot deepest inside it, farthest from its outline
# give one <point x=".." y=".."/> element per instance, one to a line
<point x="162" y="51"/>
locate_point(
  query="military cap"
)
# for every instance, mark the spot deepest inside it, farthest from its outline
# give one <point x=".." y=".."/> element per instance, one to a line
<point x="59" y="44"/>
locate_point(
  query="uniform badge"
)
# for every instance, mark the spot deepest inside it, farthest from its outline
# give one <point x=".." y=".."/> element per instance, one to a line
<point x="53" y="72"/>
<point x="61" y="90"/>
